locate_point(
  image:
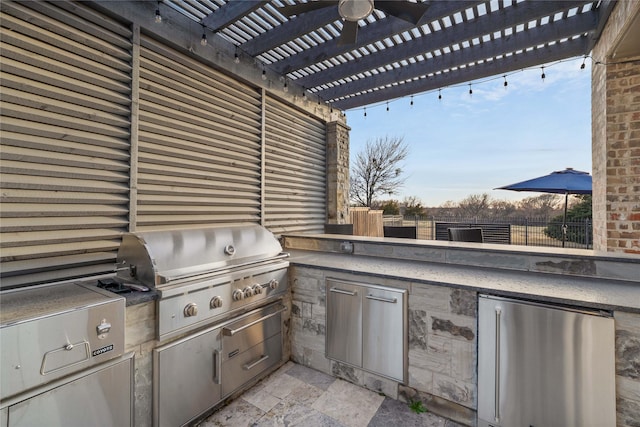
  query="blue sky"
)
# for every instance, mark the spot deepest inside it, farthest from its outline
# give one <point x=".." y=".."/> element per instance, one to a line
<point x="469" y="144"/>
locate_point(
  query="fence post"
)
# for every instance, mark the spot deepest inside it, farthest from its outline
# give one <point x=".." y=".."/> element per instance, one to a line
<point x="586" y="233"/>
<point x="526" y="231"/>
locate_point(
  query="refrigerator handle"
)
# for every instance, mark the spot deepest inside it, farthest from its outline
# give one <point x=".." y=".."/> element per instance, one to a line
<point x="497" y="360"/>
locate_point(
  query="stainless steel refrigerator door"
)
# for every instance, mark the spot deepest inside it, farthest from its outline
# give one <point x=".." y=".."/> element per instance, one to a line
<point x="542" y="366"/>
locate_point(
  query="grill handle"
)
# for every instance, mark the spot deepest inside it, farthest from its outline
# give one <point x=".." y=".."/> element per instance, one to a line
<point x="231" y="332"/>
<point x="168" y="277"/>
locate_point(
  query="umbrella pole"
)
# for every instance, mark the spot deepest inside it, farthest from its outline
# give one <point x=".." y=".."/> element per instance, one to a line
<point x="564" y="219"/>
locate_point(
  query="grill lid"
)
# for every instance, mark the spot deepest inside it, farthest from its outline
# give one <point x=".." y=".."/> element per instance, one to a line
<point x="160" y="257"/>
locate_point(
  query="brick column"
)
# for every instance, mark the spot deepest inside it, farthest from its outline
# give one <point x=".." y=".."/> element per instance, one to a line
<point x="616" y="140"/>
<point x="337" y="173"/>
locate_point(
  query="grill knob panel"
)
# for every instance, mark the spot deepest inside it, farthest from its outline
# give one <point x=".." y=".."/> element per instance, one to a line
<point x="190" y="309"/>
<point x="248" y="291"/>
<point x="273" y="284"/>
<point x="216" y="302"/>
<point x="257" y="289"/>
<point x="238" y="295"/>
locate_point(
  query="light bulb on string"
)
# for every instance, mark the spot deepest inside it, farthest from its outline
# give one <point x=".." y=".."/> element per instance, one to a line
<point x="439" y="94"/>
<point x="411" y="101"/>
<point x="365" y="111"/>
<point x="304" y="93"/>
<point x="470" y="90"/>
<point x="203" y="40"/>
<point x="158" y="16"/>
<point x="505" y="81"/>
<point x="236" y="57"/>
<point x="264" y="74"/>
<point x="387" y="106"/>
<point x="583" y="63"/>
<point x="285" y="87"/>
<point x="543" y="74"/>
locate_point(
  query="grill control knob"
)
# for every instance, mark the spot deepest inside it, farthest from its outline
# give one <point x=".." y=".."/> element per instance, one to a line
<point x="216" y="302"/>
<point x="237" y="295"/>
<point x="257" y="289"/>
<point x="248" y="291"/>
<point x="191" y="309"/>
<point x="273" y="284"/>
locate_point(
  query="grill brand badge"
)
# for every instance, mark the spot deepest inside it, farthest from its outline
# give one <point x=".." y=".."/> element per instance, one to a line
<point x="102" y="350"/>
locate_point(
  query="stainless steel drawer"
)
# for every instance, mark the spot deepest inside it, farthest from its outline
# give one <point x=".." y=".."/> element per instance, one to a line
<point x="243" y="334"/>
<point x="243" y="367"/>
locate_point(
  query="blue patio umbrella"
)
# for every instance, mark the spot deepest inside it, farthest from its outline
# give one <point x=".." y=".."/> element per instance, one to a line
<point x="568" y="181"/>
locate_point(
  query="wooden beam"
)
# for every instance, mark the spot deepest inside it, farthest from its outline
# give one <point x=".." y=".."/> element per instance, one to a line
<point x="478" y="27"/>
<point x="520" y="61"/>
<point x="371" y="33"/>
<point x="576" y="25"/>
<point x="290" y="30"/>
<point x="230" y="12"/>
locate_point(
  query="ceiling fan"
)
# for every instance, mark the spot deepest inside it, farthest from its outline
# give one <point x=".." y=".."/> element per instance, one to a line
<point x="354" y="10"/>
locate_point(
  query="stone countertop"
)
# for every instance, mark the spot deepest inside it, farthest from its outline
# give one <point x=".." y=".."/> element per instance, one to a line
<point x="598" y="293"/>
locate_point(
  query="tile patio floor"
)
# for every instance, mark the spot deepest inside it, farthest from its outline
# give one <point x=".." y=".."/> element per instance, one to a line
<point x="296" y="395"/>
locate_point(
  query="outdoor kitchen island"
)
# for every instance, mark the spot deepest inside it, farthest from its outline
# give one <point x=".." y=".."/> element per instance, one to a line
<point x="444" y="281"/>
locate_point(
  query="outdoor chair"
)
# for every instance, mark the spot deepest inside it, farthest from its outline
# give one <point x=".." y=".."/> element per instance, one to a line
<point x="465" y="235"/>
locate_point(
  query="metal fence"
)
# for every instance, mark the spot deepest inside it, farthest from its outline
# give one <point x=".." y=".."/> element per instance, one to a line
<point x="523" y="231"/>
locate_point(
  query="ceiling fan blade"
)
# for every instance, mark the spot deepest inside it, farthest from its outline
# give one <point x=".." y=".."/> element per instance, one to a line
<point x="300" y="8"/>
<point x="407" y="11"/>
<point x="349" y="34"/>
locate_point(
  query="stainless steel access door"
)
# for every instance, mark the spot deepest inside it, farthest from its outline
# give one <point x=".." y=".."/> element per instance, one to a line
<point x="186" y="378"/>
<point x="384" y="325"/>
<point x="544" y="366"/>
<point x="344" y="322"/>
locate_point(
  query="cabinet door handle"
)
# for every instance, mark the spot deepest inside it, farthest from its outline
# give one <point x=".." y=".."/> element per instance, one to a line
<point x="249" y="366"/>
<point x="216" y="366"/>
<point x="497" y="376"/>
<point x="340" y="291"/>
<point x="391" y="300"/>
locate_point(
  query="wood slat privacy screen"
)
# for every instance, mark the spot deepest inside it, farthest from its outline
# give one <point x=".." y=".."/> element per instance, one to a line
<point x="295" y="163"/>
<point x="199" y="143"/>
<point x="65" y="140"/>
<point x="82" y="162"/>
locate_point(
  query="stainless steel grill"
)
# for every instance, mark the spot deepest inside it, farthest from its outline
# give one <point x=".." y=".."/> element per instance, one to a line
<point x="219" y="311"/>
<point x="205" y="274"/>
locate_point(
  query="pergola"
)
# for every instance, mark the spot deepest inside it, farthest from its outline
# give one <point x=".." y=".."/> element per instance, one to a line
<point x="442" y="43"/>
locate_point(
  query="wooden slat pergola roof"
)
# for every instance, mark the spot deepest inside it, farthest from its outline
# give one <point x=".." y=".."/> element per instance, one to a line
<point x="456" y="41"/>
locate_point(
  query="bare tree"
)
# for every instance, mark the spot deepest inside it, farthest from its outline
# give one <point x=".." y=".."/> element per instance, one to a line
<point x="377" y="170"/>
<point x="475" y="205"/>
<point x="542" y="205"/>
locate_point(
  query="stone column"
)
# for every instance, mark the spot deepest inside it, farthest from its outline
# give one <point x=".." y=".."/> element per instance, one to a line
<point x="337" y="173"/>
<point x="616" y="139"/>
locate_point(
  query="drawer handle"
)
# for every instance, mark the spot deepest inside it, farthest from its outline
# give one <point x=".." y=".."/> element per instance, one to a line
<point x="391" y="300"/>
<point x="249" y="366"/>
<point x="231" y="332"/>
<point x="340" y="291"/>
<point x="497" y="366"/>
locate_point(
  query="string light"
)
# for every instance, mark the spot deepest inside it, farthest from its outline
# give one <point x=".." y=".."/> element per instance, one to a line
<point x="203" y="40"/>
<point x="411" y="100"/>
<point x="387" y="106"/>
<point x="543" y="74"/>
<point x="264" y="74"/>
<point x="304" y="93"/>
<point x="470" y="90"/>
<point x="285" y="87"/>
<point x="158" y="16"/>
<point x="365" y="111"/>
<point x="583" y="63"/>
<point x="439" y="95"/>
<point x="505" y="81"/>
